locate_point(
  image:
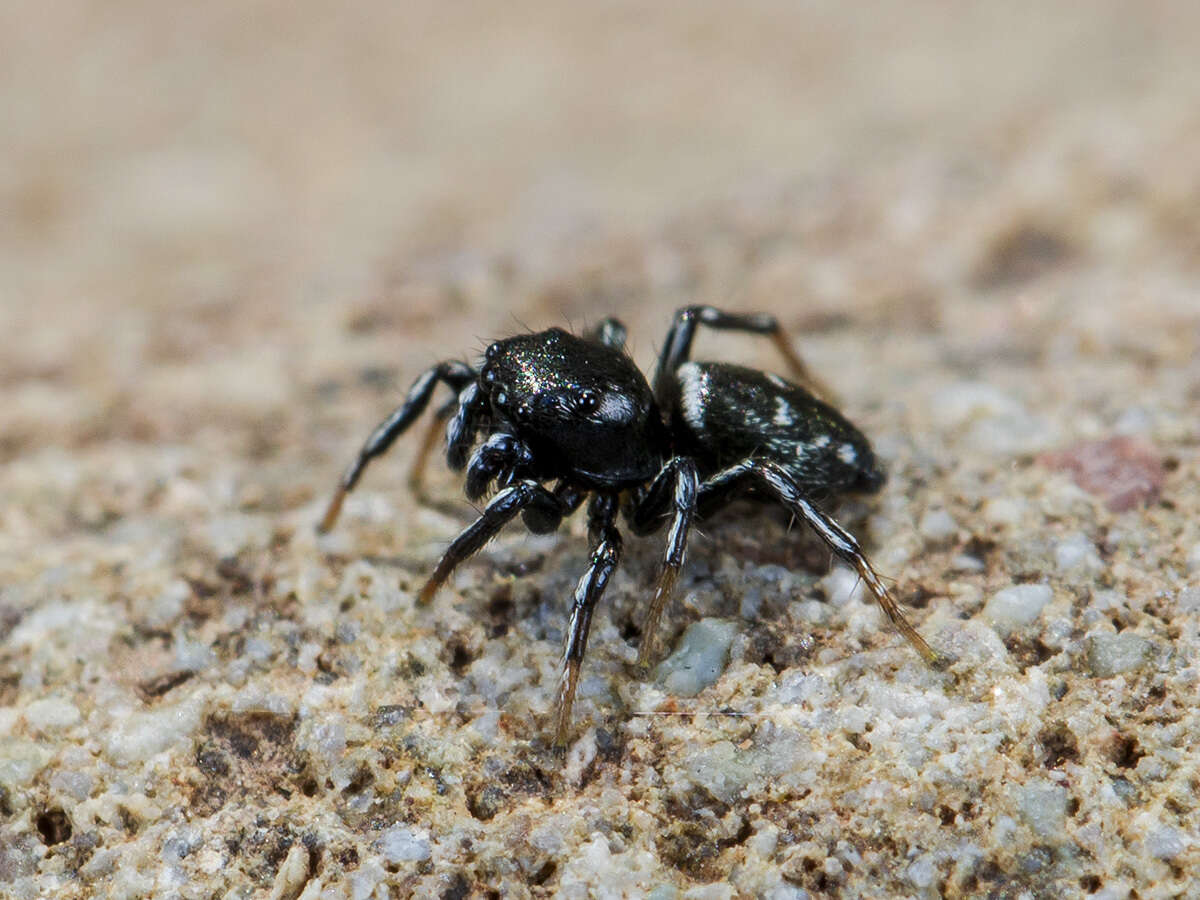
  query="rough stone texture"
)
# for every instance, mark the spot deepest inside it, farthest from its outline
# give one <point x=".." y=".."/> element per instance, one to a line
<point x="234" y="233"/>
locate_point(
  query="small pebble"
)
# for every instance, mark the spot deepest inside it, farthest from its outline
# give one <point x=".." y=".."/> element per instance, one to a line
<point x="700" y="658"/>
<point x="100" y="865"/>
<point x="168" y="605"/>
<point x="961" y="403"/>
<point x="921" y="872"/>
<point x="1134" y="420"/>
<point x="1188" y="600"/>
<point x="764" y="841"/>
<point x="366" y="878"/>
<point x="137" y="737"/>
<point x="994" y="422"/>
<point x="964" y="562"/>
<point x="192" y="655"/>
<point x="1113" y="654"/>
<point x="292" y="874"/>
<point x="51" y="713"/>
<point x="77" y="785"/>
<point x="1125" y="472"/>
<point x="1076" y="552"/>
<point x="1107" y="600"/>
<point x="1043" y="806"/>
<point x="1018" y="605"/>
<point x="180" y="844"/>
<point x="937" y="525"/>
<point x="842" y="586"/>
<point x="812" y="611"/>
<point x="715" y="891"/>
<point x="404" y="844"/>
<point x="786" y="892"/>
<point x="720" y="769"/>
<point x="1003" y="511"/>
<point x="1165" y="842"/>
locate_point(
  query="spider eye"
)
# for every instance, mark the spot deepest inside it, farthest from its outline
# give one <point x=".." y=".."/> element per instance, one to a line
<point x="523" y="412"/>
<point x="586" y="401"/>
<point x="492" y="351"/>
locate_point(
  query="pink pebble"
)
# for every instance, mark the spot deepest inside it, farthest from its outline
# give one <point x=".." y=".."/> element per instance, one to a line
<point x="1124" y="471"/>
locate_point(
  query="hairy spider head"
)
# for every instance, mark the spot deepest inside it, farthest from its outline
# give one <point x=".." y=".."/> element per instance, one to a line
<point x="582" y="407"/>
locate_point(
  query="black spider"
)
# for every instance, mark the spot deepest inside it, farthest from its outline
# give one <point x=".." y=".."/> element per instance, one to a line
<point x="578" y="412"/>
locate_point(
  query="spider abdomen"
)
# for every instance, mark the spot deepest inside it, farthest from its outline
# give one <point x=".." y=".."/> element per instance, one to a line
<point x="723" y="413"/>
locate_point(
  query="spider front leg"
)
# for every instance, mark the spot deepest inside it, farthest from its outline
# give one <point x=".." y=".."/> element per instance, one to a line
<point x="500" y="458"/>
<point x="455" y="374"/>
<point x="678" y="346"/>
<point x="464" y="424"/>
<point x="503" y="459"/>
<point x="774" y="482"/>
<point x="524" y="495"/>
<point x="606" y="555"/>
<point x="675" y="487"/>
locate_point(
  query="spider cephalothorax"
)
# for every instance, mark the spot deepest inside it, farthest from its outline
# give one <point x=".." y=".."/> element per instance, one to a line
<point x="577" y="412"/>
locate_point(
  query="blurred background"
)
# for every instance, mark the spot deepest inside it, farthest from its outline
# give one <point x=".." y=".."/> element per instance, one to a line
<point x="247" y="226"/>
<point x="240" y="183"/>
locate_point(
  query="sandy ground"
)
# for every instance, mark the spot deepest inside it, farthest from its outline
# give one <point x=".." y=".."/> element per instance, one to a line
<point x="234" y="233"/>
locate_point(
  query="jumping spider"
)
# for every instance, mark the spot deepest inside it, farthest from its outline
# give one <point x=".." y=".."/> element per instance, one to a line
<point x="578" y="412"/>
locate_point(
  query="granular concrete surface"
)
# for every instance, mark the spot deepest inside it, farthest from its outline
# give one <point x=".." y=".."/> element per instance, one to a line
<point x="234" y="234"/>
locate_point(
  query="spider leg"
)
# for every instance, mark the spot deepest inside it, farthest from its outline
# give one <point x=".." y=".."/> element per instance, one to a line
<point x="571" y="496"/>
<point x="416" y="472"/>
<point x="674" y="487"/>
<point x="608" y="331"/>
<point x="677" y="349"/>
<point x="776" y="483"/>
<point x="455" y="374"/>
<point x="504" y="459"/>
<point x="606" y="555"/>
<point x="500" y="458"/>
<point x="545" y="519"/>
<point x="463" y="425"/>
<point x="524" y="495"/>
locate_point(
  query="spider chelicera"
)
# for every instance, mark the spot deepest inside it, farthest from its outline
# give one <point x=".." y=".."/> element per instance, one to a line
<point x="576" y="411"/>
